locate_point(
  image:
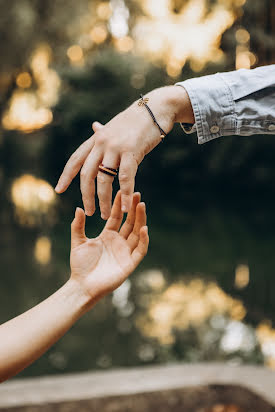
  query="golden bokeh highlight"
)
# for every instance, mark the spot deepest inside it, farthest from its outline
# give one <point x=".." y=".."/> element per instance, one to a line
<point x="242" y="58"/>
<point x="42" y="250"/>
<point x="192" y="34"/>
<point x="32" y="198"/>
<point x="174" y="68"/>
<point x="124" y="44"/>
<point x="242" y="36"/>
<point x="241" y="276"/>
<point x="31" y="110"/>
<point x="75" y="53"/>
<point x="266" y="337"/>
<point x="99" y="34"/>
<point x="104" y="10"/>
<point x="47" y="79"/>
<point x="183" y="305"/>
<point x="24" y="80"/>
<point x="24" y="114"/>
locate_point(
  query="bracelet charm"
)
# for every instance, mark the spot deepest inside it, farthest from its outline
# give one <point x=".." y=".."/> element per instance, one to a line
<point x="143" y="102"/>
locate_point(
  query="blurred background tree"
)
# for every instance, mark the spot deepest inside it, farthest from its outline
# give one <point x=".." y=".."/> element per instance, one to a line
<point x="66" y="64"/>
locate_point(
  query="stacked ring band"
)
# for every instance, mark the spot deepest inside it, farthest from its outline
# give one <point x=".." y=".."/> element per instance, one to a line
<point x="108" y="170"/>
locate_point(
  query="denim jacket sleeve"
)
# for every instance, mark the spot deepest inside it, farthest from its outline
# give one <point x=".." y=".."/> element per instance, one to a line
<point x="240" y="102"/>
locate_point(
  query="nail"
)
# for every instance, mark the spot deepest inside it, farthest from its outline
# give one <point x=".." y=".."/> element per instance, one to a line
<point x="123" y="208"/>
<point x="57" y="187"/>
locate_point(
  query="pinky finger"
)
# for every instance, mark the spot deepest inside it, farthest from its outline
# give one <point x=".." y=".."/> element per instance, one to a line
<point x="141" y="250"/>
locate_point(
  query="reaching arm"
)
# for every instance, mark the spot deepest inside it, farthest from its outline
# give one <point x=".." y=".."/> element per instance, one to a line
<point x="98" y="266"/>
<point x="239" y="102"/>
<point x="123" y="142"/>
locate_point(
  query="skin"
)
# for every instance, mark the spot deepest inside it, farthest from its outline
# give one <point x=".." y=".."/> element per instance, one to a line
<point x="123" y="142"/>
<point x="98" y="266"/>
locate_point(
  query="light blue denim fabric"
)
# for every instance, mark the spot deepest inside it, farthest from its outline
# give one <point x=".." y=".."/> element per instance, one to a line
<point x="240" y="102"/>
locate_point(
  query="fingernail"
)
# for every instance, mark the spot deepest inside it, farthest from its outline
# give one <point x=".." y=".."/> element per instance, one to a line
<point x="103" y="216"/>
<point x="123" y="208"/>
<point x="57" y="187"/>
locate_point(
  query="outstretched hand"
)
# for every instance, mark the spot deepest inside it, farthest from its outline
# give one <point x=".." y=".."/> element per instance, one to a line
<point x="122" y="143"/>
<point x="100" y="265"/>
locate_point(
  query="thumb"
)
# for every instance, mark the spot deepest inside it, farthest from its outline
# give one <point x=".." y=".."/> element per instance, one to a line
<point x="97" y="126"/>
<point x="78" y="228"/>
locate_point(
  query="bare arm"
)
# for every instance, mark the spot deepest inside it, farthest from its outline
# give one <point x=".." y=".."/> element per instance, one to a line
<point x="98" y="266"/>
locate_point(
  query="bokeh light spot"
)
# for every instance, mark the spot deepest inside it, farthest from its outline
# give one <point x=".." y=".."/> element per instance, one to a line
<point x="75" y="53"/>
<point x="241" y="276"/>
<point x="24" y="80"/>
<point x="42" y="250"/>
<point x="124" y="44"/>
<point x="32" y="198"/>
<point x="242" y="36"/>
<point x="104" y="11"/>
<point x="99" y="34"/>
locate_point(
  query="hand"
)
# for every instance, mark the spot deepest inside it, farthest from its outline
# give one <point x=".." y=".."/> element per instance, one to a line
<point x="123" y="142"/>
<point x="102" y="264"/>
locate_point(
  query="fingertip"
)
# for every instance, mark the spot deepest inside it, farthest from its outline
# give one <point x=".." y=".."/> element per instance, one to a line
<point x="141" y="206"/>
<point x="144" y="230"/>
<point x="118" y="196"/>
<point x="59" y="188"/>
<point x="126" y="203"/>
<point x="89" y="210"/>
<point x="78" y="217"/>
<point x="79" y="213"/>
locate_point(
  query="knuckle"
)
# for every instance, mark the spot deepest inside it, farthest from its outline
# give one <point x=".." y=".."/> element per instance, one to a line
<point x="100" y="138"/>
<point x="83" y="174"/>
<point x="103" y="178"/>
<point x="124" y="177"/>
<point x="128" y="147"/>
<point x="114" y="146"/>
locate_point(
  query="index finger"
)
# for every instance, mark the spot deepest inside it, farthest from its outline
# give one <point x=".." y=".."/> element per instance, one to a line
<point x="73" y="165"/>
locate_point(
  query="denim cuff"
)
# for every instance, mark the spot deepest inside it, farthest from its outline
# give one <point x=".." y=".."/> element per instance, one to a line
<point x="213" y="107"/>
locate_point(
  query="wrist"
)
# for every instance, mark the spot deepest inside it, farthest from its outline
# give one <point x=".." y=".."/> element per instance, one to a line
<point x="171" y="104"/>
<point x="179" y="100"/>
<point x="80" y="300"/>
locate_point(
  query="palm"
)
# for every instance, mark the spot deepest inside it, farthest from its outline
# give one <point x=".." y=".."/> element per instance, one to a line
<point x="103" y="263"/>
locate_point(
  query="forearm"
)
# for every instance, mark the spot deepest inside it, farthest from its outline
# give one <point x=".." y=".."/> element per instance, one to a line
<point x="26" y="337"/>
